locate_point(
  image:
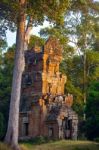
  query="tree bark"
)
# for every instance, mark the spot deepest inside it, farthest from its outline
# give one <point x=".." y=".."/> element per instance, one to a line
<point x="13" y="123"/>
<point x="28" y="33"/>
<point x="84" y="83"/>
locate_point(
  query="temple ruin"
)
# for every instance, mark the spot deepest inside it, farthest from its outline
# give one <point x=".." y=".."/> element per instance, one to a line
<point x="44" y="109"/>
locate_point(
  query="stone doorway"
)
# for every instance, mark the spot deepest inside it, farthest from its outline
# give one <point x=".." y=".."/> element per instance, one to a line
<point x="25" y="126"/>
<point x="67" y="128"/>
<point x="51" y="132"/>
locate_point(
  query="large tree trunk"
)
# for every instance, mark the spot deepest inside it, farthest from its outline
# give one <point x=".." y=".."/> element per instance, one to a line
<point x="12" y="131"/>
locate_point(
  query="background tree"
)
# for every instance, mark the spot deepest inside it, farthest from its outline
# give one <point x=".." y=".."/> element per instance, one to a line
<point x="6" y="69"/>
<point x="80" y="61"/>
<point x="78" y="44"/>
<point x="35" y="40"/>
<point x="92" y="111"/>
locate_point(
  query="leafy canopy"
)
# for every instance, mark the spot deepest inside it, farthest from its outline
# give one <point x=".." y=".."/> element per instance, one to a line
<point x="35" y="10"/>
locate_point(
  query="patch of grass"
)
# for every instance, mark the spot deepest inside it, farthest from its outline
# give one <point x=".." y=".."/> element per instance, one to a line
<point x="4" y="147"/>
<point x="56" y="145"/>
<point x="64" y="145"/>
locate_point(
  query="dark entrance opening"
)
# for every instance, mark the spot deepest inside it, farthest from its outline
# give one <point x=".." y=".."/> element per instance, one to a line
<point x="26" y="129"/>
<point x="49" y="87"/>
<point x="67" y="128"/>
<point x="51" y="132"/>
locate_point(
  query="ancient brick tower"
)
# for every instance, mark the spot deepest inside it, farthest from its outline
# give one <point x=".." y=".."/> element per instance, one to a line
<point x="44" y="109"/>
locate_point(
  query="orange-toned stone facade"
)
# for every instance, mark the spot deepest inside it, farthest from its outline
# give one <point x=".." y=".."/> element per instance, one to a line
<point x="44" y="109"/>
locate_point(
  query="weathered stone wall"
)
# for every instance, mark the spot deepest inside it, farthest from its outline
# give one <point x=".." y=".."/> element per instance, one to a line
<point x="43" y="103"/>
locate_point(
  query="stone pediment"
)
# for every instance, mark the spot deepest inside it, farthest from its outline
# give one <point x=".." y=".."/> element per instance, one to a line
<point x="53" y="46"/>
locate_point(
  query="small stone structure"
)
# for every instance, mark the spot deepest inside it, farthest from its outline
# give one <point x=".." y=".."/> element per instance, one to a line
<point x="44" y="109"/>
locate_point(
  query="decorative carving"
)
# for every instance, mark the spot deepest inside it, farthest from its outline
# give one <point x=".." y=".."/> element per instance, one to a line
<point x="52" y="46"/>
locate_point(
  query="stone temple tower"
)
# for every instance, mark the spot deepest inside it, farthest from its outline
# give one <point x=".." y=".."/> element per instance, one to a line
<point x="44" y="109"/>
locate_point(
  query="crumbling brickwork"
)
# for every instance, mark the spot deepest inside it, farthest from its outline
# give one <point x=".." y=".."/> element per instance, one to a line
<point x="44" y="109"/>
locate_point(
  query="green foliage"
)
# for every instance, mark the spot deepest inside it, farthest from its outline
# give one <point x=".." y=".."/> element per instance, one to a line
<point x="53" y="10"/>
<point x="38" y="10"/>
<point x="56" y="31"/>
<point x="3" y="44"/>
<point x="82" y="14"/>
<point x="60" y="33"/>
<point x="81" y="29"/>
<point x="92" y="65"/>
<point x="96" y="139"/>
<point x="6" y="68"/>
<point x="2" y="126"/>
<point x="76" y="31"/>
<point x="35" y="40"/>
<point x="37" y="140"/>
<point x="72" y="67"/>
<point x="92" y="111"/>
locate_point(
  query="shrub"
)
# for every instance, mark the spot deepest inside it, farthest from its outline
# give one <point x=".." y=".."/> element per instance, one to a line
<point x="2" y="126"/>
<point x="77" y="148"/>
<point x="36" y="140"/>
<point x="92" y="111"/>
<point x="96" y="139"/>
